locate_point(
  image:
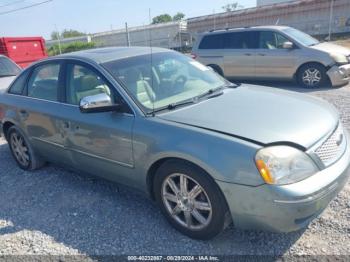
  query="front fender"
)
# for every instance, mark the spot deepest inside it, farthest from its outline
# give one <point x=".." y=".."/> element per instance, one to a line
<point x="223" y="157"/>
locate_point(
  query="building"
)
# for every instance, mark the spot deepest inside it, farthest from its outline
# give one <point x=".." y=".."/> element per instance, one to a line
<point x="269" y="2"/>
<point x="168" y="35"/>
<point x="310" y="16"/>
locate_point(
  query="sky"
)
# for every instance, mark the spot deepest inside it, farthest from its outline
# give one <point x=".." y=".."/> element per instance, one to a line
<point x="92" y="16"/>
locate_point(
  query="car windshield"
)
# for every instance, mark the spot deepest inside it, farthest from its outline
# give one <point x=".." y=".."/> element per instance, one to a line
<point x="301" y="37"/>
<point x="8" y="68"/>
<point x="163" y="79"/>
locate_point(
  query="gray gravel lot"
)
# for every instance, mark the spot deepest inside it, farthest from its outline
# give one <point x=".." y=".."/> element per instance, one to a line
<point x="53" y="211"/>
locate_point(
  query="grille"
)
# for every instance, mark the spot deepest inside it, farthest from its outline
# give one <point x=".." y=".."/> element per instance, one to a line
<point x="330" y="150"/>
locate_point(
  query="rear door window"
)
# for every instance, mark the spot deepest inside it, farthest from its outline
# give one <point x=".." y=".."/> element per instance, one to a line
<point x="241" y="40"/>
<point x="215" y="41"/>
<point x="43" y="83"/>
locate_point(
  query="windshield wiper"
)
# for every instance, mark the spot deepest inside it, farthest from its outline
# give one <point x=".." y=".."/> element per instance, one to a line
<point x="6" y="75"/>
<point x="173" y="106"/>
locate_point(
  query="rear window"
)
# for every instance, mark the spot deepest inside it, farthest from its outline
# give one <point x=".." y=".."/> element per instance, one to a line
<point x="231" y="40"/>
<point x="19" y="84"/>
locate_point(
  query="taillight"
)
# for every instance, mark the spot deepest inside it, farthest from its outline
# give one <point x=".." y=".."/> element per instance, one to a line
<point x="194" y="56"/>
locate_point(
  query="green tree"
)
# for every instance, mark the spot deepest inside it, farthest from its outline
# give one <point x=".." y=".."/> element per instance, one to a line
<point x="179" y="16"/>
<point x="66" y="33"/>
<point x="55" y="35"/>
<point x="71" y="33"/>
<point x="164" y="18"/>
<point x="71" y="47"/>
<point x="232" y="7"/>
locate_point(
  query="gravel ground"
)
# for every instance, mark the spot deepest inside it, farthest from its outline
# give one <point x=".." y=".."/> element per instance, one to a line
<point x="53" y="211"/>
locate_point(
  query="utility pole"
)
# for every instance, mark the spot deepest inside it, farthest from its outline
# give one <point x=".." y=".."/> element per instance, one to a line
<point x="127" y="34"/>
<point x="330" y="20"/>
<point x="59" y="39"/>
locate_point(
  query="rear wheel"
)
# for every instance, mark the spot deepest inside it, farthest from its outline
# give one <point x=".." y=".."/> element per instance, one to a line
<point x="22" y="151"/>
<point x="190" y="201"/>
<point x="312" y="75"/>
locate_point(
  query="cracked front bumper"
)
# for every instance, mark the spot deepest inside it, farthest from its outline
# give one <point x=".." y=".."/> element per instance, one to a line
<point x="339" y="75"/>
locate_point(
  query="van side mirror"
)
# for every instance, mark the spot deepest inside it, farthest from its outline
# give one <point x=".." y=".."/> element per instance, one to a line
<point x="98" y="103"/>
<point x="288" y="45"/>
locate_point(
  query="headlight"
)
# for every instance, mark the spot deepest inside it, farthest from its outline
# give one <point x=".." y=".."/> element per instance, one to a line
<point x="281" y="165"/>
<point x="339" y="58"/>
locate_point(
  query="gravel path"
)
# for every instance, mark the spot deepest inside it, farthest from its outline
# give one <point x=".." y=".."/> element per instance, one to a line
<point x="53" y="211"/>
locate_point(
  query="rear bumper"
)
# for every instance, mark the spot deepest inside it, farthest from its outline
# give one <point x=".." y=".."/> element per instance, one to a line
<point x="339" y="75"/>
<point x="286" y="208"/>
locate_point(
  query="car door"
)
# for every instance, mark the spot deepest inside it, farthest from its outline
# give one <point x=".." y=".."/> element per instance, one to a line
<point x="41" y="114"/>
<point x="100" y="143"/>
<point x="239" y="54"/>
<point x="272" y="60"/>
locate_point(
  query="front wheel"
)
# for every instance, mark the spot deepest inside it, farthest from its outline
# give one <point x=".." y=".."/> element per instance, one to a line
<point x="190" y="201"/>
<point x="312" y="75"/>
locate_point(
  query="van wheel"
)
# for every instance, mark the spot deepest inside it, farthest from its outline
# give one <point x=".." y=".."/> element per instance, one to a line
<point x="190" y="201"/>
<point x="217" y="69"/>
<point x="312" y="75"/>
<point x="22" y="151"/>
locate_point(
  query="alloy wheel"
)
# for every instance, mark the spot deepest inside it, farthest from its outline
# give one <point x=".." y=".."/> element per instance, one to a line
<point x="186" y="201"/>
<point x="20" y="149"/>
<point x="312" y="77"/>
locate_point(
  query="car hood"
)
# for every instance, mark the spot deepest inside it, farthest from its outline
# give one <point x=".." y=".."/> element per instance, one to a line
<point x="332" y="48"/>
<point x="262" y="115"/>
<point x="5" y="82"/>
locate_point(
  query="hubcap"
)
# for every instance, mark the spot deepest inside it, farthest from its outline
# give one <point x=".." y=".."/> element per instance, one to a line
<point x="312" y="77"/>
<point x="186" y="201"/>
<point x="19" y="149"/>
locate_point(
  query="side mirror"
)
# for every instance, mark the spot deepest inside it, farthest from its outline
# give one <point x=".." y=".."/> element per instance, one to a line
<point x="98" y="104"/>
<point x="288" y="45"/>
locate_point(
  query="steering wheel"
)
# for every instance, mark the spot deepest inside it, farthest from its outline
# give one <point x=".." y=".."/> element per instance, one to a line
<point x="180" y="81"/>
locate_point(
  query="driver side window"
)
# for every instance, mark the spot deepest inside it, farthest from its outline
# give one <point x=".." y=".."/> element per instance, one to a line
<point x="271" y="40"/>
<point x="83" y="82"/>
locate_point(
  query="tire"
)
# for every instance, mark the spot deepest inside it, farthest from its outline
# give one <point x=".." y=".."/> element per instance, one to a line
<point x="213" y="212"/>
<point x="217" y="69"/>
<point x="22" y="151"/>
<point x="312" y="75"/>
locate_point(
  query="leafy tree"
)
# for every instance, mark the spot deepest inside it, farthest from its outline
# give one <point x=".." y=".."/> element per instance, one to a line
<point x="71" y="33"/>
<point x="232" y="7"/>
<point x="66" y="33"/>
<point x="71" y="47"/>
<point x="164" y="18"/>
<point x="55" y="35"/>
<point x="179" y="16"/>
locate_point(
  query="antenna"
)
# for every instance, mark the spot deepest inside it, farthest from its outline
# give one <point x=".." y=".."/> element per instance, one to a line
<point x="150" y="44"/>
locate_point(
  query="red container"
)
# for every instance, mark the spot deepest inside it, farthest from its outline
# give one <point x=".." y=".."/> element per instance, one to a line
<point x="23" y="50"/>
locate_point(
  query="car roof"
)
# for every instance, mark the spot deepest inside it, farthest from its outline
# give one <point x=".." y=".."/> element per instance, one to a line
<point x="104" y="55"/>
<point x="251" y="28"/>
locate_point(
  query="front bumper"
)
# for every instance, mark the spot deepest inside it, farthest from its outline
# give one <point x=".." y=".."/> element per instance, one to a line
<point x="286" y="208"/>
<point x="339" y="75"/>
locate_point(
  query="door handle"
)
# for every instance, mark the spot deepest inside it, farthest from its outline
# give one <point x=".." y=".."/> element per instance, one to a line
<point x="262" y="54"/>
<point x="248" y="54"/>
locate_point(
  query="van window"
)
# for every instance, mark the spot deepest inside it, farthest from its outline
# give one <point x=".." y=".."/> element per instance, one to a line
<point x="240" y="40"/>
<point x="215" y="41"/>
<point x="271" y="40"/>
